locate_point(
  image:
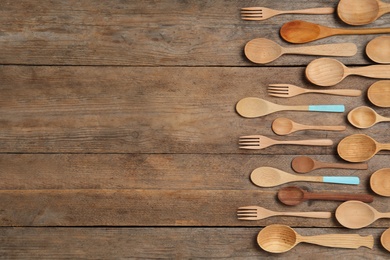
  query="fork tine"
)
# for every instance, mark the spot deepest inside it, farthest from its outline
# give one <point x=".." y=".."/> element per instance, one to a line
<point x="248" y="218"/>
<point x="250" y="147"/>
<point x="251" y="9"/>
<point x="277" y="95"/>
<point x="253" y="19"/>
<point x="247" y="207"/>
<point x="278" y="91"/>
<point x="279" y="85"/>
<point x="250" y="136"/>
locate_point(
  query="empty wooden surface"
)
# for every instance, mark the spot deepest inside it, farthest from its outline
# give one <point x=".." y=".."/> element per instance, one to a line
<point x="119" y="135"/>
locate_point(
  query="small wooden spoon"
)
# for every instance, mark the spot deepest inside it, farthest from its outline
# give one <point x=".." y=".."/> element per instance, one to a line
<point x="329" y="72"/>
<point x="378" y="49"/>
<point x="278" y="238"/>
<point x="380" y="182"/>
<point x="385" y="239"/>
<point x="285" y="126"/>
<point x="359" y="148"/>
<point x="305" y="164"/>
<point x="271" y="177"/>
<point x="293" y="196"/>
<point x="263" y="50"/>
<point x="365" y="117"/>
<point x="355" y="214"/>
<point x="379" y="93"/>
<point x="359" y="12"/>
<point x="302" y="32"/>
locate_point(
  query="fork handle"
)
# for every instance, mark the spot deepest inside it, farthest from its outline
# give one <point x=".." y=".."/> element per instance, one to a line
<point x="321" y="10"/>
<point x="314" y="142"/>
<point x="313" y="214"/>
<point x="340" y="92"/>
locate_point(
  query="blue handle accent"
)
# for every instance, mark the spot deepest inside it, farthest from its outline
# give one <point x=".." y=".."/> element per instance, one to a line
<point x="353" y="180"/>
<point x="327" y="108"/>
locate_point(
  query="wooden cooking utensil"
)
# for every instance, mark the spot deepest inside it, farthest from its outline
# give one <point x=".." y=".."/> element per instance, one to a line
<point x="359" y="148"/>
<point x="289" y="90"/>
<point x="263" y="50"/>
<point x="359" y="12"/>
<point x="305" y="164"/>
<point x="301" y="32"/>
<point x="378" y="49"/>
<point x="271" y="177"/>
<point x="365" y="117"/>
<point x="285" y="126"/>
<point x="379" y="93"/>
<point x="292" y="196"/>
<point x="263" y="13"/>
<point x="385" y="239"/>
<point x="380" y="182"/>
<point x="251" y="107"/>
<point x="329" y="72"/>
<point x="257" y="213"/>
<point x="278" y="238"/>
<point x="355" y="214"/>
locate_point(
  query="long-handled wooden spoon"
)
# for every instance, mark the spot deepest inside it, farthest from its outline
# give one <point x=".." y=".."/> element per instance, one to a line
<point x="278" y="238"/>
<point x="292" y="196"/>
<point x="378" y="49"/>
<point x="385" y="239"/>
<point x="365" y="117"/>
<point x="263" y="50"/>
<point x="271" y="177"/>
<point x="380" y="182"/>
<point x="251" y="107"/>
<point x="359" y="12"/>
<point x="285" y="126"/>
<point x="356" y="214"/>
<point x="379" y="93"/>
<point x="329" y="72"/>
<point x="305" y="164"/>
<point x="359" y="148"/>
<point x="301" y="32"/>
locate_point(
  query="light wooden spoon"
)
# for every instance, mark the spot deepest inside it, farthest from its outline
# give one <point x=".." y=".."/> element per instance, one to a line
<point x="285" y="126"/>
<point x="365" y="117"/>
<point x="379" y="93"/>
<point x="271" y="177"/>
<point x="305" y="164"/>
<point x="380" y="182"/>
<point x="359" y="148"/>
<point x="385" y="239"/>
<point x="378" y="49"/>
<point x="355" y="214"/>
<point x="302" y="32"/>
<point x="263" y="50"/>
<point x="328" y="72"/>
<point x="251" y="107"/>
<point x="359" y="12"/>
<point x="278" y="238"/>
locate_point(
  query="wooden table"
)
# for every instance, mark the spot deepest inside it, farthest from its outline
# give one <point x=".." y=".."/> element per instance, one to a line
<point x="119" y="136"/>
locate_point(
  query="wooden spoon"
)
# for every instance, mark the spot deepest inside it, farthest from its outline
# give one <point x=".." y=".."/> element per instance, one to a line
<point x="251" y="107"/>
<point x="379" y="93"/>
<point x="262" y="50"/>
<point x="271" y="177"/>
<point x="359" y="148"/>
<point x="378" y="49"/>
<point x="278" y="238"/>
<point x="380" y="182"/>
<point x="385" y="239"/>
<point x="301" y="32"/>
<point x="365" y="117"/>
<point x="292" y="196"/>
<point x="329" y="72"/>
<point x="305" y="164"/>
<point x="285" y="126"/>
<point x="359" y="12"/>
<point x="356" y="214"/>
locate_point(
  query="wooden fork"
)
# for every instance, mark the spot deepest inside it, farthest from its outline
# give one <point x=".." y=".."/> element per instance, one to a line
<point x="263" y="13"/>
<point x="288" y="90"/>
<point x="261" y="142"/>
<point x="256" y="213"/>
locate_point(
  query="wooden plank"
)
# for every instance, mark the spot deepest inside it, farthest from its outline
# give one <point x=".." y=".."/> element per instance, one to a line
<point x="150" y="33"/>
<point x="161" y="243"/>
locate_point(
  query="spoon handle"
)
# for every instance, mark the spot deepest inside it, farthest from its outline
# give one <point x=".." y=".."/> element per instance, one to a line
<point x="339" y="31"/>
<point x="327" y="127"/>
<point x="337" y="49"/>
<point x="338" y="196"/>
<point x="354" y="166"/>
<point x="352" y="180"/>
<point x="373" y="71"/>
<point x="340" y="240"/>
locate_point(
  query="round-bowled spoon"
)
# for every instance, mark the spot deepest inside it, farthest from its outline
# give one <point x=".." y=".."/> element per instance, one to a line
<point x="365" y="117"/>
<point x="379" y="93"/>
<point x="263" y="50"/>
<point x="305" y="164"/>
<point x="359" y="148"/>
<point x="380" y="182"/>
<point x="285" y="126"/>
<point x="328" y="72"/>
<point x="385" y="239"/>
<point x="277" y="238"/>
<point x="378" y="49"/>
<point x="355" y="214"/>
<point x="292" y="196"/>
<point x="359" y="12"/>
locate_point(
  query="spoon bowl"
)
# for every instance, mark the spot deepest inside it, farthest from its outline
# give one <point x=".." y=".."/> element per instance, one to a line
<point x="379" y="93"/>
<point x="380" y="182"/>
<point x="305" y="164"/>
<point x="385" y="239"/>
<point x="378" y="49"/>
<point x="365" y="117"/>
<point x="360" y="12"/>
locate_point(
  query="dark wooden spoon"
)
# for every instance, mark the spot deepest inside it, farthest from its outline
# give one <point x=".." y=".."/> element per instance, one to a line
<point x="305" y="164"/>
